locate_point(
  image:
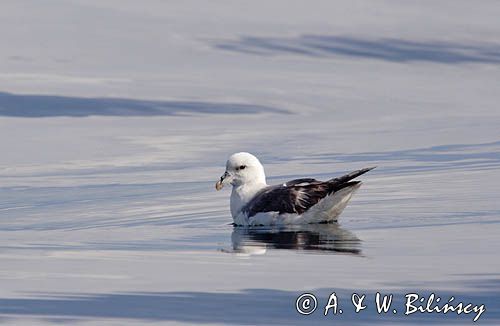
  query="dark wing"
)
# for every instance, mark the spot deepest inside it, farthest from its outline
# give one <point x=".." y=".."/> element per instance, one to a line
<point x="298" y="195"/>
<point x="302" y="181"/>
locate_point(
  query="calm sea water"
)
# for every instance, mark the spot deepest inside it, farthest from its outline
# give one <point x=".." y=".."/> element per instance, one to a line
<point x="108" y="212"/>
<point x="154" y="241"/>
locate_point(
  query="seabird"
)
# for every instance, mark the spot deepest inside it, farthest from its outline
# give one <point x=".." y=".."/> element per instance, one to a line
<point x="299" y="201"/>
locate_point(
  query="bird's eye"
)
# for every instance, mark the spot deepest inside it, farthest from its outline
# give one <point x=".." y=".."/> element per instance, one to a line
<point x="242" y="167"/>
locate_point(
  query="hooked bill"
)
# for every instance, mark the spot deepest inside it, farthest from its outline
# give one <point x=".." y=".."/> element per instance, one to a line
<point x="219" y="185"/>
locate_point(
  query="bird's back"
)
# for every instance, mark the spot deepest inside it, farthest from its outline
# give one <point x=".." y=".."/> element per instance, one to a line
<point x="299" y="196"/>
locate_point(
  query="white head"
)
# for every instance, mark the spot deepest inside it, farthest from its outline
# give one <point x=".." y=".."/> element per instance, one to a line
<point x="241" y="169"/>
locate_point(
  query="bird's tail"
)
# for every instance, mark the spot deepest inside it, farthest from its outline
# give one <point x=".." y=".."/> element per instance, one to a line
<point x="345" y="181"/>
<point x="339" y="193"/>
<point x="330" y="207"/>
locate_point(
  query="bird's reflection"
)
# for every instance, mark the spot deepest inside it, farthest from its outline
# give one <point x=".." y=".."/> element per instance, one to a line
<point x="327" y="238"/>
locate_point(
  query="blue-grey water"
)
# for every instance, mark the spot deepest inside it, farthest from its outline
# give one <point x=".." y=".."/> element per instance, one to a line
<point x="108" y="212"/>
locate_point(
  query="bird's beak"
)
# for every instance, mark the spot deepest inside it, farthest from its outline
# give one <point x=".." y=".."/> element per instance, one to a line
<point x="224" y="180"/>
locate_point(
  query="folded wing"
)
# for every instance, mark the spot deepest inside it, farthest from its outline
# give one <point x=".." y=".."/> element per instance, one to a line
<point x="297" y="196"/>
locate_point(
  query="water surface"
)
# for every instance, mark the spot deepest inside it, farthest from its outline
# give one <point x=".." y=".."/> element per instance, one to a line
<point x="108" y="212"/>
